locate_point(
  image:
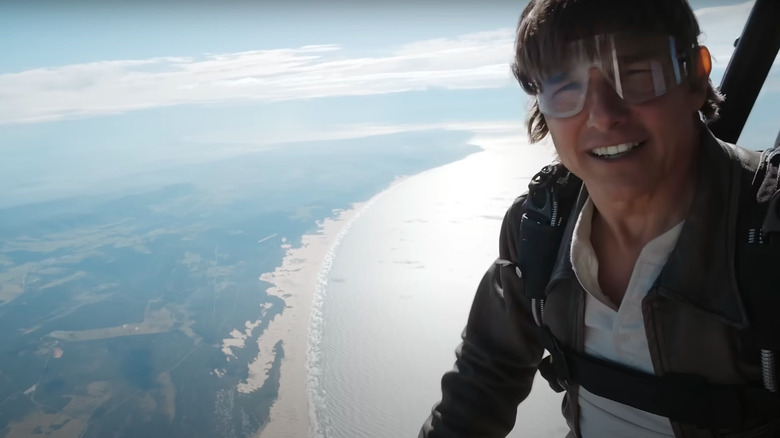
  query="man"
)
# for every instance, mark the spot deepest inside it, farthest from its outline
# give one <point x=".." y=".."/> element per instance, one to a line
<point x="641" y="311"/>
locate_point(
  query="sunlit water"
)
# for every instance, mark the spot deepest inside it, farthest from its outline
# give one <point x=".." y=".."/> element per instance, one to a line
<point x="396" y="296"/>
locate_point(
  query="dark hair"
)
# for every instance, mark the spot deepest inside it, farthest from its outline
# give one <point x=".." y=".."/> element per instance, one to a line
<point x="546" y="25"/>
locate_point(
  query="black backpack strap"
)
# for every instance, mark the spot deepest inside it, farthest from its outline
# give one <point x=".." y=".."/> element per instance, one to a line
<point x="551" y="195"/>
<point x="686" y="398"/>
<point x="758" y="255"/>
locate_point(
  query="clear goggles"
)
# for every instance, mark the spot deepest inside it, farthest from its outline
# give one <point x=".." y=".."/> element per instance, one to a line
<point x="639" y="67"/>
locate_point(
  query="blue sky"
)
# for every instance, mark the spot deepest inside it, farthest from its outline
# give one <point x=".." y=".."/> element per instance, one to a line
<point x="92" y="90"/>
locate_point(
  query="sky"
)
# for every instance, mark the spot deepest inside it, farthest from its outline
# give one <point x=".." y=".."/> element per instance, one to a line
<point x="97" y="89"/>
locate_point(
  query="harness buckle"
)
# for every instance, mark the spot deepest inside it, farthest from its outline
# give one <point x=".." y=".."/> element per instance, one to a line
<point x="554" y="368"/>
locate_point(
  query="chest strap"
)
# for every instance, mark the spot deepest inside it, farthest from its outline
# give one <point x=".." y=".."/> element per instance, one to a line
<point x="681" y="398"/>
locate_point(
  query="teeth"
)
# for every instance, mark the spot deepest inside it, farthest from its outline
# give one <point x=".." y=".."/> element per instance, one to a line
<point x="609" y="151"/>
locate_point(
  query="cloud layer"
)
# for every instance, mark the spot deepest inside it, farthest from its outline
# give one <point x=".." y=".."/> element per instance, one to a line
<point x="479" y="60"/>
<point x="471" y="61"/>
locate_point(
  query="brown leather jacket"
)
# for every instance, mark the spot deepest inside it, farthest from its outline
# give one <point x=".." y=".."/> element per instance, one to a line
<point x="693" y="315"/>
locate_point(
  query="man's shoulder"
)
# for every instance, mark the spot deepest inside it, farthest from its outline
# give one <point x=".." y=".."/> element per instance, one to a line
<point x="518" y="204"/>
<point x="514" y="214"/>
<point x="748" y="159"/>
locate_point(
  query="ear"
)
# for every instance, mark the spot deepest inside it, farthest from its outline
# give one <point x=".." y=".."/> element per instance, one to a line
<point x="703" y="63"/>
<point x="701" y="68"/>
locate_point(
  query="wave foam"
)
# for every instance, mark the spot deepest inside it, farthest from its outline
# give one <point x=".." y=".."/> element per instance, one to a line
<point x="319" y="423"/>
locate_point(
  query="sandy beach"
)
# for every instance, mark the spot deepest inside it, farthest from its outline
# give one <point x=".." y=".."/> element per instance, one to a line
<point x="298" y="280"/>
<point x="295" y="281"/>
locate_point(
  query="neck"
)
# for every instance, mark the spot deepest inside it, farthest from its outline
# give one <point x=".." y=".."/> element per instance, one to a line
<point x="633" y="224"/>
<point x="630" y="222"/>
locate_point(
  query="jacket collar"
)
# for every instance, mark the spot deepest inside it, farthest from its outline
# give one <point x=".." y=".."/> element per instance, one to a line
<point x="700" y="270"/>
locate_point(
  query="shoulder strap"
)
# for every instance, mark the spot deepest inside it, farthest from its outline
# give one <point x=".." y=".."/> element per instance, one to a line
<point x="758" y="254"/>
<point x="551" y="195"/>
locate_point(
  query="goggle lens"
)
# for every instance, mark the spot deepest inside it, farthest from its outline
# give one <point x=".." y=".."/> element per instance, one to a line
<point x="639" y="67"/>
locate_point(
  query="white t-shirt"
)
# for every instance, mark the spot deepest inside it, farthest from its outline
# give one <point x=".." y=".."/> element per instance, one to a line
<point x="618" y="333"/>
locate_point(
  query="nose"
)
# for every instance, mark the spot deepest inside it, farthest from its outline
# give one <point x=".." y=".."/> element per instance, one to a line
<point x="605" y="108"/>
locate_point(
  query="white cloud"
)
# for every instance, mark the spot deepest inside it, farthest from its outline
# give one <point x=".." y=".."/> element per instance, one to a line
<point x="471" y="61"/>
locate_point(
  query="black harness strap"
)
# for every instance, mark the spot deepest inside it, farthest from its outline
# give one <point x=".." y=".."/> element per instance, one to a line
<point x="685" y="399"/>
<point x="551" y="195"/>
<point x="758" y="252"/>
<point x="682" y="398"/>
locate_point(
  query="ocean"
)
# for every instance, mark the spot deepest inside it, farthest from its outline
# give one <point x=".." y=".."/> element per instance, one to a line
<point x="396" y="291"/>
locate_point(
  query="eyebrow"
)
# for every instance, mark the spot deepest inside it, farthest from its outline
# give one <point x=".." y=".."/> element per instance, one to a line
<point x="640" y="56"/>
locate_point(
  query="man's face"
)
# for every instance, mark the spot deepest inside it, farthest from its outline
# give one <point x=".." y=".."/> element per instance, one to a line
<point x="628" y="150"/>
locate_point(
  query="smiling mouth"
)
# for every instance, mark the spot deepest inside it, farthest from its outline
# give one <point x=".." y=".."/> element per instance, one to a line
<point x="616" y="151"/>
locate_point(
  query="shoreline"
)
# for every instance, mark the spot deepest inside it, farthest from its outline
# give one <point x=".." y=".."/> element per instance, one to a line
<point x="302" y="281"/>
<point x="298" y="281"/>
<point x="295" y="281"/>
